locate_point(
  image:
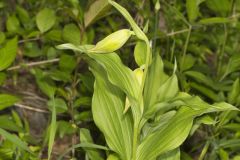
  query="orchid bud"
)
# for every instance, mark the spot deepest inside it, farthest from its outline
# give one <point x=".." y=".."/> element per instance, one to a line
<point x="112" y="42"/>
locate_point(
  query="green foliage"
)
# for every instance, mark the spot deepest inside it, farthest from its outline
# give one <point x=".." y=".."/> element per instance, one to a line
<point x="154" y="88"/>
<point x="45" y="19"/>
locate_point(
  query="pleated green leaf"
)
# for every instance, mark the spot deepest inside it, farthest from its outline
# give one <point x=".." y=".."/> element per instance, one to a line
<point x="170" y="136"/>
<point x="155" y="78"/>
<point x="107" y="107"/>
<point x="118" y="74"/>
<point x="197" y="103"/>
<point x="169" y="89"/>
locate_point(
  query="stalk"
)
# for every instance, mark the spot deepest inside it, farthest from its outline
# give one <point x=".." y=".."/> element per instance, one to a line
<point x="135" y="141"/>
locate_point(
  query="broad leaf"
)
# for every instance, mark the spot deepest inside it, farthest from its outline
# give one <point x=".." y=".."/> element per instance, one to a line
<point x="13" y="24"/>
<point x="71" y="34"/>
<point x="155" y="78"/>
<point x="168" y="137"/>
<point x="121" y="76"/>
<point x="107" y="107"/>
<point x="95" y="11"/>
<point x="7" y="100"/>
<point x="192" y="9"/>
<point x="8" y="53"/>
<point x="45" y="19"/>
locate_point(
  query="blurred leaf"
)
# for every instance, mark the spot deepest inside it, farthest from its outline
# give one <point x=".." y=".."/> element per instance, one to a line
<point x="67" y="63"/>
<point x="139" y="33"/>
<point x="87" y="80"/>
<point x="59" y="104"/>
<point x="83" y="116"/>
<point x="85" y="136"/>
<point x="15" y="140"/>
<point x="232" y="126"/>
<point x="95" y="11"/>
<point x="58" y="75"/>
<point x="8" y="53"/>
<point x="236" y="157"/>
<point x="13" y="24"/>
<point x="2" y="78"/>
<point x="7" y="100"/>
<point x="2" y="37"/>
<point x="17" y="119"/>
<point x="32" y="50"/>
<point x="82" y="145"/>
<point x="233" y="65"/>
<point x="82" y="101"/>
<point x="201" y="78"/>
<point x="23" y="15"/>
<point x="214" y="20"/>
<point x="206" y="91"/>
<point x="7" y="123"/>
<point x="46" y="85"/>
<point x="189" y="62"/>
<point x="192" y="9"/>
<point x="65" y="128"/>
<point x="234" y="92"/>
<point x="232" y="143"/>
<point x="140" y="53"/>
<point x="71" y="34"/>
<point x="54" y="35"/>
<point x="221" y="7"/>
<point x="45" y="19"/>
<point x="172" y="155"/>
<point x="52" y="129"/>
<point x="112" y="157"/>
<point x="185" y="156"/>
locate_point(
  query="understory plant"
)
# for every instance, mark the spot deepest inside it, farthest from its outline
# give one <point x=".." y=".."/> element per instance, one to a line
<point x="141" y="113"/>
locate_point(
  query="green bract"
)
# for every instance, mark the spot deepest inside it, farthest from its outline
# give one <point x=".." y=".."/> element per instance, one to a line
<point x="112" y="42"/>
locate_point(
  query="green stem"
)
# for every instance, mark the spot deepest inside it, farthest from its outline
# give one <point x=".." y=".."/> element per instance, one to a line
<point x="219" y="65"/>
<point x="204" y="151"/>
<point x="135" y="141"/>
<point x="185" y="47"/>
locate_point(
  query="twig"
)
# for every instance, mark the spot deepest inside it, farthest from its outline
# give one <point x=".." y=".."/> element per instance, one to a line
<point x="178" y="32"/>
<point x="31" y="64"/>
<point x="185" y="47"/>
<point x="28" y="40"/>
<point x="30" y="108"/>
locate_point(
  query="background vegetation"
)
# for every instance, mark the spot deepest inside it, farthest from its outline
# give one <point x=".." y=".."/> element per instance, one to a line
<point x="202" y="36"/>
